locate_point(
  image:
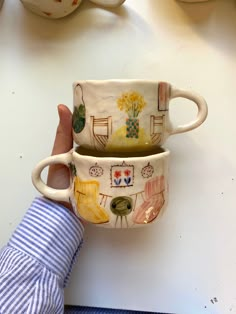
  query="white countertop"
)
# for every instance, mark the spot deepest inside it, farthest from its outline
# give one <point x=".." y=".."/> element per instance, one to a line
<point x="188" y="258"/>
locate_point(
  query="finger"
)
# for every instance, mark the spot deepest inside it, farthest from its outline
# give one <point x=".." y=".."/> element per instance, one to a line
<point x="58" y="174"/>
<point x="62" y="144"/>
<point x="63" y="140"/>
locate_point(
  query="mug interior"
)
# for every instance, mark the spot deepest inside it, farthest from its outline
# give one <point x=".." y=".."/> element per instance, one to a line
<point x="93" y="153"/>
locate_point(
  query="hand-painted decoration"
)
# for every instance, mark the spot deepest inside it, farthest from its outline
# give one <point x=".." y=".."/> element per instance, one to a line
<point x="132" y="103"/>
<point x="163" y="96"/>
<point x="101" y="130"/>
<point x="153" y="201"/>
<point x="96" y="171"/>
<point x="121" y="206"/>
<point x="156" y="128"/>
<point x="88" y="207"/>
<point x="78" y="118"/>
<point x="122" y="175"/>
<point x="147" y="171"/>
<point x="72" y="169"/>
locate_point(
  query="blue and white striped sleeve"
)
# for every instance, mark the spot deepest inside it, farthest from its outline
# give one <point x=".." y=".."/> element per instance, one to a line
<point x="36" y="263"/>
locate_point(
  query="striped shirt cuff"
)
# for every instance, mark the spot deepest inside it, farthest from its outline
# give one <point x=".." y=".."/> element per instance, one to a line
<point x="51" y="234"/>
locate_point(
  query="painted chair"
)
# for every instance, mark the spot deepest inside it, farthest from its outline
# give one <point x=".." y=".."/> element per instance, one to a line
<point x="101" y="130"/>
<point x="153" y="201"/>
<point x="156" y="126"/>
<point x="157" y="122"/>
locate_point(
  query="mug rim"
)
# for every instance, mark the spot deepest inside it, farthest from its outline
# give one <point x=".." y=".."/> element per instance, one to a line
<point x="148" y="155"/>
<point x="117" y="80"/>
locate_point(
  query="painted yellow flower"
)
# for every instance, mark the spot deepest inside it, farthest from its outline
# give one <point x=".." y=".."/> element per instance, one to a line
<point x="132" y="103"/>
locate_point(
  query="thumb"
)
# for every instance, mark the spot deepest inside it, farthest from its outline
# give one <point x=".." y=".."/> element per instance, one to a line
<point x="63" y="140"/>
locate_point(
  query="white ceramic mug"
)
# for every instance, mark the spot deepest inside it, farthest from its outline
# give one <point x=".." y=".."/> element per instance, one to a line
<point x="59" y="8"/>
<point x="127" y="115"/>
<point x="111" y="190"/>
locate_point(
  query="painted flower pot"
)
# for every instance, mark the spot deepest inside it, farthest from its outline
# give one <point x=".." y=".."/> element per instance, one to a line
<point x="132" y="127"/>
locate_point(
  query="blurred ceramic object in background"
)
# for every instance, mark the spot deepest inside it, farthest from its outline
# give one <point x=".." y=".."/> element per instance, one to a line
<point x="51" y="8"/>
<point x="193" y="1"/>
<point x="1" y="3"/>
<point x="59" y="8"/>
<point x="108" y="3"/>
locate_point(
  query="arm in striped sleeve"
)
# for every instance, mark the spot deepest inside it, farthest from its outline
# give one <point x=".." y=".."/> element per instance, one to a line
<point x="36" y="263"/>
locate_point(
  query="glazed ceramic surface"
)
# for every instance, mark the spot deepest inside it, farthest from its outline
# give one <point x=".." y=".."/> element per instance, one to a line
<point x="114" y="192"/>
<point x="60" y="8"/>
<point x="108" y="3"/>
<point x="51" y="8"/>
<point x="127" y="115"/>
<point x="193" y="1"/>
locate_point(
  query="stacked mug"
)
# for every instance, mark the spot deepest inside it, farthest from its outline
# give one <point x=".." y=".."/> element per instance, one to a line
<point x="119" y="170"/>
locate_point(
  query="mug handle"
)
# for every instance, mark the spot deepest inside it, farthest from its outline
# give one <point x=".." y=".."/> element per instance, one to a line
<point x="108" y="3"/>
<point x="54" y="194"/>
<point x="202" y="109"/>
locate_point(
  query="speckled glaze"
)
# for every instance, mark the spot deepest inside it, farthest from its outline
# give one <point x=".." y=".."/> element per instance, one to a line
<point x="59" y="8"/>
<point x="112" y="192"/>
